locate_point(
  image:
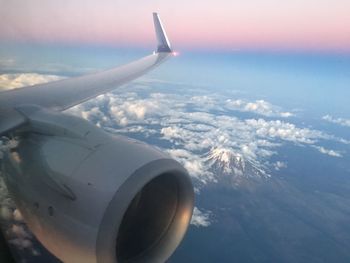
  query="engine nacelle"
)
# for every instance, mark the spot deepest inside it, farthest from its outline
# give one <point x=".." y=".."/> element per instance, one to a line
<point x="89" y="196"/>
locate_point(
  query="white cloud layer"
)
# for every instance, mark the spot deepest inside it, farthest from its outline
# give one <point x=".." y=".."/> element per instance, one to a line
<point x="15" y="230"/>
<point x="201" y="218"/>
<point x="328" y="151"/>
<point x="194" y="129"/>
<point x="12" y="81"/>
<point x="279" y="165"/>
<point x="340" y="121"/>
<point x="260" y="107"/>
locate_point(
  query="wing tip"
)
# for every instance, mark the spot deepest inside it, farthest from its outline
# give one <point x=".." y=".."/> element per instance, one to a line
<point x="162" y="39"/>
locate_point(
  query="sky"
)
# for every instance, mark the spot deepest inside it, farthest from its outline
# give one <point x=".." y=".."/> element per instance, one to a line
<point x="272" y="25"/>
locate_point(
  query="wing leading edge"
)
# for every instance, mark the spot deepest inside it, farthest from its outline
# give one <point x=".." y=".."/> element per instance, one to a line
<point x="63" y="94"/>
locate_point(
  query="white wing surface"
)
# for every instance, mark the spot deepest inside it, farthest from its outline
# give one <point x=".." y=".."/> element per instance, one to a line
<point x="63" y="94"/>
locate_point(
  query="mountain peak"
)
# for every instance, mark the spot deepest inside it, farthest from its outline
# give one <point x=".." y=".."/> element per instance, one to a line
<point x="228" y="164"/>
<point x="226" y="158"/>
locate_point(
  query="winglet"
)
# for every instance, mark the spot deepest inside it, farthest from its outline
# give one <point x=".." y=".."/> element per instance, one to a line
<point x="163" y="41"/>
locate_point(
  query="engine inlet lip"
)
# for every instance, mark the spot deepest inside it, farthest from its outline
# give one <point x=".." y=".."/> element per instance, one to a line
<point x="112" y="219"/>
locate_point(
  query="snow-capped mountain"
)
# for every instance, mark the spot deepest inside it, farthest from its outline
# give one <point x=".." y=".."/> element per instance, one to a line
<point x="230" y="166"/>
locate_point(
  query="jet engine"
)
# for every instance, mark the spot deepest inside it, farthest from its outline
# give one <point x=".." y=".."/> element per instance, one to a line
<point x="90" y="196"/>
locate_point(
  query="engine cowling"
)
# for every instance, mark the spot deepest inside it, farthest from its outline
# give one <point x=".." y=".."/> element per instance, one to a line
<point x="89" y="196"/>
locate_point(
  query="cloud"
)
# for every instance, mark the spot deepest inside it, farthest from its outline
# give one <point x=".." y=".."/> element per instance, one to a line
<point x="340" y="121"/>
<point x="279" y="165"/>
<point x="285" y="131"/>
<point x="328" y="152"/>
<point x="201" y="218"/>
<point x="12" y="81"/>
<point x="196" y="165"/>
<point x="260" y="107"/>
<point x="189" y="126"/>
<point x="11" y="220"/>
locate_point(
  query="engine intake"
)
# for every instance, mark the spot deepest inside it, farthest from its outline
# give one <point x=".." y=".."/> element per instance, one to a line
<point x="155" y="219"/>
<point x="140" y="231"/>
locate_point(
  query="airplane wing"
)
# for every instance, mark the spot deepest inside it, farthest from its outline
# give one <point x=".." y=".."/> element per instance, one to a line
<point x="63" y="94"/>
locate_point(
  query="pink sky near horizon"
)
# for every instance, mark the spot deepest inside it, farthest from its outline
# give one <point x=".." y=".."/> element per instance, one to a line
<point x="310" y="25"/>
